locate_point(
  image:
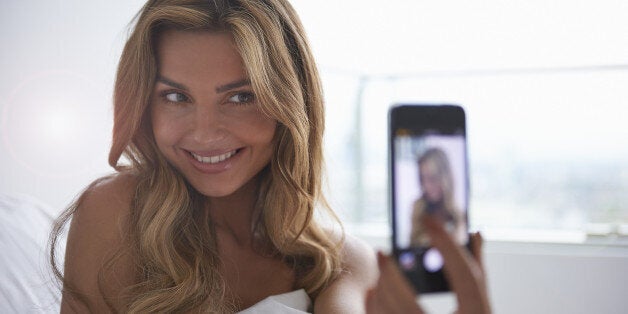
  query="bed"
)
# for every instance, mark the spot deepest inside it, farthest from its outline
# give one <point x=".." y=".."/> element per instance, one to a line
<point x="27" y="284"/>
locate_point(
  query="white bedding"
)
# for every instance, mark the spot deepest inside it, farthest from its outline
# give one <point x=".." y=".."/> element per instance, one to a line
<point x="295" y="302"/>
<point x="26" y="284"/>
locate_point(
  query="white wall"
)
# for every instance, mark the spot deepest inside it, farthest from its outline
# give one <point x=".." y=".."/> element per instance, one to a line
<point x="57" y="65"/>
<point x="557" y="278"/>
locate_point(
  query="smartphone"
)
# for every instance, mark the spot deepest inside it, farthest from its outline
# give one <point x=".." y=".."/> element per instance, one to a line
<point x="428" y="176"/>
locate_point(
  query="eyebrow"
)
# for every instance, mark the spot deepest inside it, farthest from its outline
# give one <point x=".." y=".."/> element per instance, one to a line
<point x="166" y="81"/>
<point x="232" y="85"/>
<point x="219" y="89"/>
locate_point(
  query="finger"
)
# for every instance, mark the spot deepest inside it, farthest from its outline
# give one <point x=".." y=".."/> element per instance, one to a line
<point x="376" y="301"/>
<point x="477" y="242"/>
<point x="394" y="294"/>
<point x="463" y="272"/>
<point x="454" y="255"/>
<point x="373" y="302"/>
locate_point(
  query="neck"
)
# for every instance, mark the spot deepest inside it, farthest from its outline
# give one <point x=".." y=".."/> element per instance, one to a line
<point x="232" y="215"/>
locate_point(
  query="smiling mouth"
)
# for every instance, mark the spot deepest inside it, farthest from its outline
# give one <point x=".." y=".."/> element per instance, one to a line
<point x="214" y="159"/>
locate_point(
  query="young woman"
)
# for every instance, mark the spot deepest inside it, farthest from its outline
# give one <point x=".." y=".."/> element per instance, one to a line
<point x="218" y="116"/>
<point x="437" y="199"/>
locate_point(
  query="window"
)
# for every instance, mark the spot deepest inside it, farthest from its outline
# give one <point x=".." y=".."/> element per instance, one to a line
<point x="544" y="89"/>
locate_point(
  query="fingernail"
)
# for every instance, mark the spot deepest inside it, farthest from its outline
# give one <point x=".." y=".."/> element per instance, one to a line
<point x="478" y="235"/>
<point x="381" y="259"/>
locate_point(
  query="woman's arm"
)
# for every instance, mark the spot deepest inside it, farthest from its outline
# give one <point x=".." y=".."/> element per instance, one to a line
<point x="347" y="294"/>
<point x="95" y="235"/>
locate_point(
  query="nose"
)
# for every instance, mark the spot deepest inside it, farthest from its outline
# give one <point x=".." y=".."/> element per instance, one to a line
<point x="208" y="125"/>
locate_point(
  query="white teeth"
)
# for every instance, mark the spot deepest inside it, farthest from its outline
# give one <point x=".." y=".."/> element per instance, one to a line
<point x="213" y="159"/>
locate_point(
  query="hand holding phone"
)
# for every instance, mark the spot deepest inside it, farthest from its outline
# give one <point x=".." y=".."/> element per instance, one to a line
<point x="428" y="177"/>
<point x="393" y="293"/>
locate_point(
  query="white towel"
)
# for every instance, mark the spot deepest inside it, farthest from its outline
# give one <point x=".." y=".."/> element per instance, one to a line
<point x="294" y="302"/>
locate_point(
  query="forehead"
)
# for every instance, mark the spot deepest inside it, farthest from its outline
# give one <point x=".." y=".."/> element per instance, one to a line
<point x="198" y="54"/>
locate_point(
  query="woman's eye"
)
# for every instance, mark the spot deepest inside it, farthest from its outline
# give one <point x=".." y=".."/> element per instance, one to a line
<point x="175" y="97"/>
<point x="242" y="98"/>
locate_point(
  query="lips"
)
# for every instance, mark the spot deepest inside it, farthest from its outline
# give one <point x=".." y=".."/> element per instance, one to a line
<point x="215" y="158"/>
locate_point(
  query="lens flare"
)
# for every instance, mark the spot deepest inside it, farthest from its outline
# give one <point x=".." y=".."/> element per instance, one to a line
<point x="55" y="123"/>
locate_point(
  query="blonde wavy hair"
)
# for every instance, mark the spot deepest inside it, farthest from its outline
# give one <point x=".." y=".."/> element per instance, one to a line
<point x="171" y="239"/>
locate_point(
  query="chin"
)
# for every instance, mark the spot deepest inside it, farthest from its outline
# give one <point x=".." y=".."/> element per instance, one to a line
<point x="215" y="191"/>
<point x="221" y="190"/>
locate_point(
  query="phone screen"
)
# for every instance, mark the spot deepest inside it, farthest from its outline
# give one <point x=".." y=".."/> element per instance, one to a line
<point x="429" y="177"/>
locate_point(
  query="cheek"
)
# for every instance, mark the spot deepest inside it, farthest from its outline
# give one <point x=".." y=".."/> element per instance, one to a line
<point x="259" y="129"/>
<point x="164" y="130"/>
<point x="269" y="128"/>
<point x="158" y="127"/>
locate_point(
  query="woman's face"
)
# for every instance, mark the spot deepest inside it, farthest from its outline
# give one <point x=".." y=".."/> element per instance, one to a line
<point x="430" y="181"/>
<point x="206" y="119"/>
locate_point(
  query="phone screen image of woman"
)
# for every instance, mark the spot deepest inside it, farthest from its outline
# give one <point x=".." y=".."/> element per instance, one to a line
<point x="430" y="179"/>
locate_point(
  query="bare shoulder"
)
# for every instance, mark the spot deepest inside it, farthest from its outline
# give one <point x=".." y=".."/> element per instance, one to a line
<point x="103" y="208"/>
<point x="360" y="272"/>
<point x="96" y="236"/>
<point x="116" y="189"/>
<point x="359" y="259"/>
